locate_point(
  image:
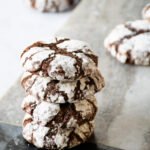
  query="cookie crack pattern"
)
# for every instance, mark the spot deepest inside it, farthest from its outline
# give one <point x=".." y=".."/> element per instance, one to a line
<point x="129" y="42"/>
<point x="55" y="51"/>
<point x="135" y="33"/>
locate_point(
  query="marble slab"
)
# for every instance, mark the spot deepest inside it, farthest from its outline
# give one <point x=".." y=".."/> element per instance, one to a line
<point x="11" y="139"/>
<point x="123" y="119"/>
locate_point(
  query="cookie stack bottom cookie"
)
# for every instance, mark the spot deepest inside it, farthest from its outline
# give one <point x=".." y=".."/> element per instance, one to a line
<point x="57" y="126"/>
<point x="60" y="81"/>
<point x="43" y="137"/>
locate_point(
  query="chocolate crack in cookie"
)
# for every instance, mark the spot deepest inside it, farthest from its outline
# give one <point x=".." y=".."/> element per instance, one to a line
<point x="146" y="12"/>
<point x="130" y="42"/>
<point x="54" y="91"/>
<point x="62" y="59"/>
<point x="50" y="114"/>
<point x="57" y="138"/>
<point x="52" y="5"/>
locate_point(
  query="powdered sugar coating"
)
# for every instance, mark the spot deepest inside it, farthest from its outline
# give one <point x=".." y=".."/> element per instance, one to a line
<point x="45" y="112"/>
<point x="61" y="140"/>
<point x="64" y="63"/>
<point x="82" y="50"/>
<point x="62" y="92"/>
<point x="52" y="5"/>
<point x="34" y="133"/>
<point x="62" y="59"/>
<point x="29" y="103"/>
<point x="44" y="137"/>
<point x="146" y="12"/>
<point x="132" y="42"/>
<point x="69" y="115"/>
<point x="33" y="59"/>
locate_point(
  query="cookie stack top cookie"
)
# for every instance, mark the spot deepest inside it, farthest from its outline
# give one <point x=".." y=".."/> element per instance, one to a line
<point x="60" y="80"/>
<point x="62" y="59"/>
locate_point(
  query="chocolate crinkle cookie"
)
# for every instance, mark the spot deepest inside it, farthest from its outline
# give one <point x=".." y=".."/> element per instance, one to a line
<point x="130" y="42"/>
<point x="44" y="112"/>
<point x="60" y="80"/>
<point x="52" y="5"/>
<point x="146" y="12"/>
<point x="54" y="91"/>
<point x="61" y="59"/>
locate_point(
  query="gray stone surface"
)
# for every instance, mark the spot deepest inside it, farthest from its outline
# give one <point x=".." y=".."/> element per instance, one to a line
<point x="123" y="120"/>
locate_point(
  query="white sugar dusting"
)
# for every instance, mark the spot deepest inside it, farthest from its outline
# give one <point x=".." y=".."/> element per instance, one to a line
<point x="116" y="34"/>
<point x="61" y="139"/>
<point x="39" y="88"/>
<point x="35" y="61"/>
<point x="139" y="24"/>
<point x="137" y="44"/>
<point x="28" y="101"/>
<point x="38" y="135"/>
<point x="74" y="45"/>
<point x="87" y="63"/>
<point x="68" y="88"/>
<point x="27" y="132"/>
<point x="45" y="112"/>
<point x="66" y="63"/>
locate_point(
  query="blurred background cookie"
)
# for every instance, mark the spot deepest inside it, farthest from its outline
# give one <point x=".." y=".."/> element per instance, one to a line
<point x="146" y="12"/>
<point x="130" y="42"/>
<point x="52" y="5"/>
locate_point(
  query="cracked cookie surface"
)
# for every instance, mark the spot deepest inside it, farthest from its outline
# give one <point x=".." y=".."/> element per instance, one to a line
<point x="43" y="88"/>
<point x="57" y="138"/>
<point x="45" y="113"/>
<point x="130" y="42"/>
<point x="62" y="59"/>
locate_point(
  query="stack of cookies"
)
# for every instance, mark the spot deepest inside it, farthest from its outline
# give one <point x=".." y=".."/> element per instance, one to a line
<point x="60" y="81"/>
